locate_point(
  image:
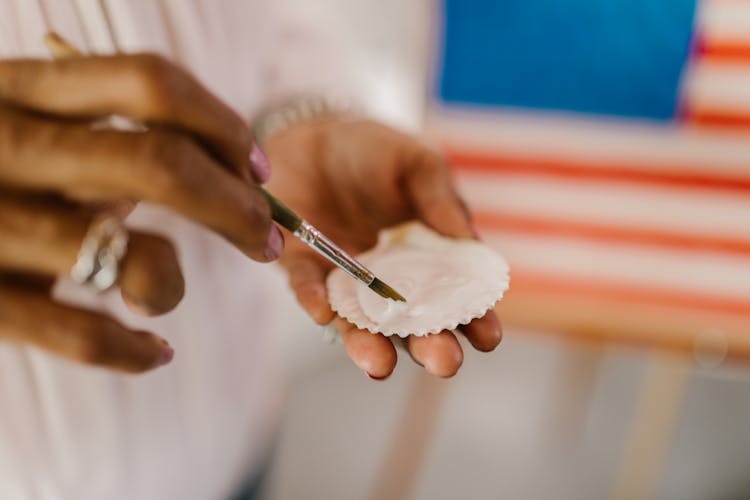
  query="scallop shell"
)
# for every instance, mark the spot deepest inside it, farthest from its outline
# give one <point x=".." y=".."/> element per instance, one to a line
<point x="446" y="282"/>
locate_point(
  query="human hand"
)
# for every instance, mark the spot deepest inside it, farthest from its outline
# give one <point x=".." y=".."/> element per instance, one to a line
<point x="351" y="178"/>
<point x="57" y="174"/>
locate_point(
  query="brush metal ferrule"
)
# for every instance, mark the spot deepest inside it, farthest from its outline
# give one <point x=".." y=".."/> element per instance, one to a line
<point x="328" y="249"/>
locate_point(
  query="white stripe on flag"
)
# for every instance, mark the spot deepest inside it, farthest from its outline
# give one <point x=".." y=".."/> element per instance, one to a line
<point x="702" y="213"/>
<point x="685" y="272"/>
<point x="598" y="142"/>
<point x="718" y="86"/>
<point x="724" y="20"/>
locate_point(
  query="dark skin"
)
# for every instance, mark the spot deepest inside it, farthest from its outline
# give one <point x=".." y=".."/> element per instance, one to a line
<point x="56" y="174"/>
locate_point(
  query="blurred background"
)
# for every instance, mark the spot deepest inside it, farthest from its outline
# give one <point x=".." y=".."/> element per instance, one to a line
<point x="604" y="148"/>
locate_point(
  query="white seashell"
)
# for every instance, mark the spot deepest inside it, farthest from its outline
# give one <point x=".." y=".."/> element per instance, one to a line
<point x="446" y="282"/>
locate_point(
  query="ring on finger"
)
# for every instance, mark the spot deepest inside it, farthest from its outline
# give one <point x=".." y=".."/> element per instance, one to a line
<point x="102" y="249"/>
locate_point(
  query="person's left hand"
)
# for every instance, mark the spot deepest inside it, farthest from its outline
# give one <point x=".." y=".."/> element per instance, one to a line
<point x="350" y="178"/>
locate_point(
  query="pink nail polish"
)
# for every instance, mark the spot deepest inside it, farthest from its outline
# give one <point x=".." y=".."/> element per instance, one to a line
<point x="275" y="245"/>
<point x="166" y="355"/>
<point x="260" y="167"/>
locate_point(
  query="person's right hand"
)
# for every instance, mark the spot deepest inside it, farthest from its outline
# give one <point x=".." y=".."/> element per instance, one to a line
<point x="56" y="172"/>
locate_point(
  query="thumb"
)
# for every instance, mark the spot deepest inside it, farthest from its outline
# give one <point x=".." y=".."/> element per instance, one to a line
<point x="433" y="194"/>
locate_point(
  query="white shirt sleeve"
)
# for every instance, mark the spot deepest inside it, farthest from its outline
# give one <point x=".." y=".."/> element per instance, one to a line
<point x="370" y="53"/>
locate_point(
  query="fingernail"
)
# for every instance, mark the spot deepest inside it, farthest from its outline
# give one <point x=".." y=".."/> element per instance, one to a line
<point x="373" y="377"/>
<point x="165" y="356"/>
<point x="275" y="245"/>
<point x="260" y="167"/>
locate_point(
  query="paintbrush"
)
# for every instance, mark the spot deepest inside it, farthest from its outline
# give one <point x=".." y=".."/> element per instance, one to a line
<point x="280" y="213"/>
<point x="327" y="248"/>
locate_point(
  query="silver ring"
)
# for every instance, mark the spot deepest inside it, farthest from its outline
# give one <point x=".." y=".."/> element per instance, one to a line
<point x="102" y="249"/>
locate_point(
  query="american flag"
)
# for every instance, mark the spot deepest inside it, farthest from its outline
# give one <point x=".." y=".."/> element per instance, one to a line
<point x="622" y="204"/>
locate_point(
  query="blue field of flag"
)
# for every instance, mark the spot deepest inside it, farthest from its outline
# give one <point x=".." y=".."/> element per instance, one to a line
<point x="611" y="57"/>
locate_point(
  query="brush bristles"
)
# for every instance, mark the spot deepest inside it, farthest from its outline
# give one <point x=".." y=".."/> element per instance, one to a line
<point x="385" y="291"/>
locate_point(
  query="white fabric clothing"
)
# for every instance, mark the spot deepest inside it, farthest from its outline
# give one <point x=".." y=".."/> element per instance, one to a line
<point x="199" y="427"/>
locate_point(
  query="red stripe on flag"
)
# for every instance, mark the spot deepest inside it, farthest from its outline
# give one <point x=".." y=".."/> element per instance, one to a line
<point x="473" y="161"/>
<point x="521" y="224"/>
<point x="717" y="119"/>
<point x="723" y="51"/>
<point x="720" y="51"/>
<point x="524" y="280"/>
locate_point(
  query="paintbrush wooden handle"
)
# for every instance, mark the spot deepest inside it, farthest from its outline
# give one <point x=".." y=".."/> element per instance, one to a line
<point x="281" y="213"/>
